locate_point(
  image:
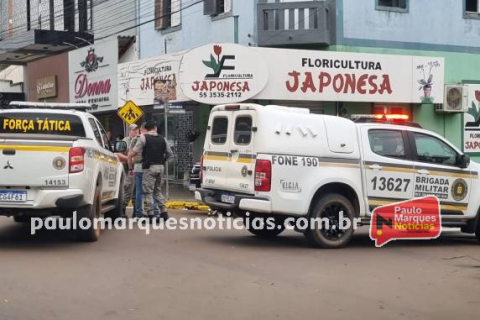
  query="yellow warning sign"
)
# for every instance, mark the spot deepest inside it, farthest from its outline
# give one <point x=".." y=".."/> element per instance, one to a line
<point x="130" y="112"/>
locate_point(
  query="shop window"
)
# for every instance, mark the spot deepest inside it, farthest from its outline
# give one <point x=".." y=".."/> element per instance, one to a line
<point x="243" y="130"/>
<point x="433" y="150"/>
<point x="167" y="14"/>
<point x="216" y="7"/>
<point x="387" y="143"/>
<point x="392" y="5"/>
<point x="219" y="130"/>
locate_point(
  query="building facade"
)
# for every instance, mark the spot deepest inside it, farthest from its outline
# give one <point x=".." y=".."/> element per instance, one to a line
<point x="448" y="30"/>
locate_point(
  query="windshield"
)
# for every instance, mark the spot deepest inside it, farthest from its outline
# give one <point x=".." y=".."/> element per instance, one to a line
<point x="41" y="123"/>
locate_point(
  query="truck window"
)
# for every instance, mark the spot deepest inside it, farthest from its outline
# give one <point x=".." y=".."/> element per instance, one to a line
<point x="103" y="133"/>
<point x="243" y="130"/>
<point x="387" y="143"/>
<point x="96" y="132"/>
<point x="41" y="123"/>
<point x="219" y="130"/>
<point x="433" y="150"/>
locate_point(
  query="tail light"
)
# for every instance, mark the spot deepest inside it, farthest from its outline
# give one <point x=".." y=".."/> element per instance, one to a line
<point x="77" y="160"/>
<point x="263" y="175"/>
<point x="200" y="175"/>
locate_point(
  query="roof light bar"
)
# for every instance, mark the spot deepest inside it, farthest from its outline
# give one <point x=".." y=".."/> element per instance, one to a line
<point x="53" y="105"/>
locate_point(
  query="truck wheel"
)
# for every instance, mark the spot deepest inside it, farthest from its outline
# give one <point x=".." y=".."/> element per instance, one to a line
<point x="90" y="212"/>
<point x="477" y="230"/>
<point x="118" y="211"/>
<point x="22" y="219"/>
<point x="266" y="231"/>
<point x="328" y="208"/>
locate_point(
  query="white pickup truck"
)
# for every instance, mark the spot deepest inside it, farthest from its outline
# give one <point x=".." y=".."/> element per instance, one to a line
<point x="54" y="161"/>
<point x="283" y="162"/>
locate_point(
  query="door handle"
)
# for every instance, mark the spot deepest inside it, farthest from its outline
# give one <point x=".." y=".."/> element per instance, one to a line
<point x="423" y="171"/>
<point x="375" y="167"/>
<point x="234" y="151"/>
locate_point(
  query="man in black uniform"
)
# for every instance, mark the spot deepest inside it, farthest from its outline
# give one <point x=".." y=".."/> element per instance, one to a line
<point x="155" y="152"/>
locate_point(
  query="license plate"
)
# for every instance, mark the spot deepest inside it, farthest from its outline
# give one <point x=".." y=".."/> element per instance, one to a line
<point x="192" y="187"/>
<point x="228" y="198"/>
<point x="13" y="196"/>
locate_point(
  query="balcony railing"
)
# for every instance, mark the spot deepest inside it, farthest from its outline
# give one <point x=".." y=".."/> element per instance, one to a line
<point x="294" y="23"/>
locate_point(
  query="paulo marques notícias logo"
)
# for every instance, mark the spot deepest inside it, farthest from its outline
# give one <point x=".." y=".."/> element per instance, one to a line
<point x="91" y="61"/>
<point x="218" y="64"/>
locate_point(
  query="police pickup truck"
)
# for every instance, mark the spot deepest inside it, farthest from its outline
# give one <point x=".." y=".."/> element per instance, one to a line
<point x="55" y="159"/>
<point x="281" y="162"/>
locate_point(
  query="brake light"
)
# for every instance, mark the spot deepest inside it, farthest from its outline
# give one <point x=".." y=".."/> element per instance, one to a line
<point x="263" y="175"/>
<point x="201" y="170"/>
<point x="76" y="160"/>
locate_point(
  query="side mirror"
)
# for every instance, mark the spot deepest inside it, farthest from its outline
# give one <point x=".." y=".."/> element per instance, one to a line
<point x="120" y="146"/>
<point x="464" y="161"/>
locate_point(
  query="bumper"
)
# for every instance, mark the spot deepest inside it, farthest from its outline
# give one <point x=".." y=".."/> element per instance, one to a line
<point x="38" y="199"/>
<point x="242" y="202"/>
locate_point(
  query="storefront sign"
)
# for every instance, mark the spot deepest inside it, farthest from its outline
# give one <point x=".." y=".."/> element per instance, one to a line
<point x="136" y="79"/>
<point x="93" y="75"/>
<point x="47" y="87"/>
<point x="340" y="76"/>
<point x="223" y="73"/>
<point x="471" y="120"/>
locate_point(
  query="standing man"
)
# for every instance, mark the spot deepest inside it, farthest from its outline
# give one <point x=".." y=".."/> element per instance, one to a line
<point x="129" y="184"/>
<point x="155" y="152"/>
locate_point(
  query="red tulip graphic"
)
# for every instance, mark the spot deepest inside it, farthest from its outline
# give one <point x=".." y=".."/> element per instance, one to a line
<point x="218" y="51"/>
<point x="477" y="95"/>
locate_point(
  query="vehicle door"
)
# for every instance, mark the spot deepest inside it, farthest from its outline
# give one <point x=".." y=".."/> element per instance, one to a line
<point x="101" y="157"/>
<point x="240" y="172"/>
<point x="388" y="168"/>
<point x="437" y="173"/>
<point x="217" y="151"/>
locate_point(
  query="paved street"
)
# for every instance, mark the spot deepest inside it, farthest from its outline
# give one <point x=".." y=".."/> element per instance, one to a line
<point x="223" y="274"/>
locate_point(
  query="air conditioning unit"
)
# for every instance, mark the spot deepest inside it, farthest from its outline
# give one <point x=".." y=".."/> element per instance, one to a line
<point x="454" y="100"/>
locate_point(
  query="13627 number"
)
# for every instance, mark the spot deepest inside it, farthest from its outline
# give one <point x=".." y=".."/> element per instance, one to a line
<point x="390" y="184"/>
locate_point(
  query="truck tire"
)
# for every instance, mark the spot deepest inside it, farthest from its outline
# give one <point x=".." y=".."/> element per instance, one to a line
<point x="90" y="212"/>
<point x="118" y="211"/>
<point x="477" y="230"/>
<point x="330" y="206"/>
<point x="266" y="232"/>
<point x="22" y="219"/>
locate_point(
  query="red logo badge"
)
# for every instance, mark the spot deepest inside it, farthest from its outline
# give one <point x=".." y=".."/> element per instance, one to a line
<point x="414" y="219"/>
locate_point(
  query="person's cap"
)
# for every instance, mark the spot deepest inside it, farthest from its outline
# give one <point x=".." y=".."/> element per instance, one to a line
<point x="132" y="127"/>
<point x="149" y="125"/>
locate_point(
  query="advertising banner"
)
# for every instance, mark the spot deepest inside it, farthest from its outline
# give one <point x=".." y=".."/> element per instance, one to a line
<point x="471" y="132"/>
<point x="136" y="79"/>
<point x="93" y="75"/>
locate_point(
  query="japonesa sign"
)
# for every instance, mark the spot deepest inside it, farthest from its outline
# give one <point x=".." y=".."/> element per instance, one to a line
<point x="340" y="76"/>
<point x="222" y="73"/>
<point x="93" y="75"/>
<point x="471" y="120"/>
<point x="136" y="79"/>
<point x="226" y="73"/>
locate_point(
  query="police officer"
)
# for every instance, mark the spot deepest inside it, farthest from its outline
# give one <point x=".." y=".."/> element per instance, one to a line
<point x="155" y="152"/>
<point x="129" y="184"/>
